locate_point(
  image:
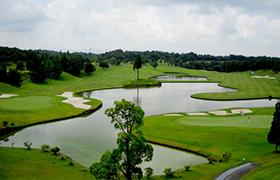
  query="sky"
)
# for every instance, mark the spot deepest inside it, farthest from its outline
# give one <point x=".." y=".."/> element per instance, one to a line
<point x="216" y="27"/>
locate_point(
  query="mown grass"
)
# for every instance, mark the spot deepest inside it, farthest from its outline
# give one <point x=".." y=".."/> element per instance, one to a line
<point x="230" y="133"/>
<point x="19" y="163"/>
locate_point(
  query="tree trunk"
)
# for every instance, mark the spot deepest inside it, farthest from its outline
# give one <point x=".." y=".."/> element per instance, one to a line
<point x="137" y="74"/>
<point x="128" y="168"/>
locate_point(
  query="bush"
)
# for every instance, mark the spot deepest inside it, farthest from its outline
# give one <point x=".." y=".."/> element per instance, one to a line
<point x="210" y="159"/>
<point x="27" y="144"/>
<point x="168" y="172"/>
<point x="187" y="168"/>
<point x="45" y="148"/>
<point x="149" y="171"/>
<point x="55" y="150"/>
<point x="5" y="123"/>
<point x="226" y="156"/>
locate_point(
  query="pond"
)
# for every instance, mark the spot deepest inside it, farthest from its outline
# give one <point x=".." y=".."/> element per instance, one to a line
<point x="85" y="139"/>
<point x="182" y="77"/>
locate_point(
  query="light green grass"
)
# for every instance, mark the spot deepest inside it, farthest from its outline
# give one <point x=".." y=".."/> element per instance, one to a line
<point x="18" y="163"/>
<point x="28" y="103"/>
<point x="226" y="134"/>
<point x="257" y="121"/>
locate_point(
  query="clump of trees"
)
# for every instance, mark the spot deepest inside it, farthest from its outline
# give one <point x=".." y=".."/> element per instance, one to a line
<point x="132" y="148"/>
<point x="274" y="133"/>
<point x="40" y="65"/>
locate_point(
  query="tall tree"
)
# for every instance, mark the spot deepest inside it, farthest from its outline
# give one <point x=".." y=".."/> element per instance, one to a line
<point x="137" y="65"/>
<point x="274" y="133"/>
<point x="56" y="68"/>
<point x="132" y="149"/>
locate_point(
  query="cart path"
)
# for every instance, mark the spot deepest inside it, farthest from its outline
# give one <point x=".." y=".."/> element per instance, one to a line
<point x="237" y="172"/>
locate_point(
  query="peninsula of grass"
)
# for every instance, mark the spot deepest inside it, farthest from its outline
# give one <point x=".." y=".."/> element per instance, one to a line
<point x="215" y="135"/>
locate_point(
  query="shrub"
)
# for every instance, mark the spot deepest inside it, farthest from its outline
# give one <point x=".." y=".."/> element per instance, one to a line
<point x="5" y="123"/>
<point x="55" y="150"/>
<point x="168" y="172"/>
<point x="226" y="156"/>
<point x="71" y="163"/>
<point x="63" y="157"/>
<point x="27" y="144"/>
<point x="45" y="148"/>
<point x="12" y="124"/>
<point x="210" y="159"/>
<point x="149" y="171"/>
<point x="187" y="168"/>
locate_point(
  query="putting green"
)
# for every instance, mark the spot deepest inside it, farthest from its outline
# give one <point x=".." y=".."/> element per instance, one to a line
<point x="28" y="102"/>
<point x="256" y="121"/>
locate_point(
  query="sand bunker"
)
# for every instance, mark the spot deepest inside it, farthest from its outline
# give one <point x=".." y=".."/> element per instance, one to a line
<point x="198" y="114"/>
<point x="239" y="111"/>
<point x="7" y="95"/>
<point x="234" y="111"/>
<point x="77" y="102"/>
<point x="266" y="77"/>
<point x="173" y="115"/>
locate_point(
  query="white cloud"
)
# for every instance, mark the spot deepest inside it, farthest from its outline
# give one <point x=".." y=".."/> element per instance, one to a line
<point x="215" y="27"/>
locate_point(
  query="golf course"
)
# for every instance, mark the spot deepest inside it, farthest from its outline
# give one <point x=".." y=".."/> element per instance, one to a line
<point x="210" y="135"/>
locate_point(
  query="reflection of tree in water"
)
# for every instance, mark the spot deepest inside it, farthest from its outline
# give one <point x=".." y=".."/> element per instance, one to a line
<point x="137" y="99"/>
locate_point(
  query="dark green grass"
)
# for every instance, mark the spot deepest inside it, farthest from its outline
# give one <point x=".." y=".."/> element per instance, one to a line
<point x="18" y="163"/>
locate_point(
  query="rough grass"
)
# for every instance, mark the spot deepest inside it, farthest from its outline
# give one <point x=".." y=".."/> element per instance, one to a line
<point x="18" y="163"/>
<point x="225" y="134"/>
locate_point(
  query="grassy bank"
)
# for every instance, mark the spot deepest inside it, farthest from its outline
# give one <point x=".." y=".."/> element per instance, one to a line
<point x="214" y="135"/>
<point x="19" y="163"/>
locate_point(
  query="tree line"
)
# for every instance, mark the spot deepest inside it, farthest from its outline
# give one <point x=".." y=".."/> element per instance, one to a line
<point x="39" y="66"/>
<point x="42" y="64"/>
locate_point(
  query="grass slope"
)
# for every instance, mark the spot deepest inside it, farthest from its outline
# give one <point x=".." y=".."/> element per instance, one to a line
<point x="18" y="163"/>
<point x="230" y="133"/>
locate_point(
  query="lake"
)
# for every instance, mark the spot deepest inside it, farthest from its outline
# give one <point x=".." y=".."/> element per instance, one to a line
<point x="85" y="139"/>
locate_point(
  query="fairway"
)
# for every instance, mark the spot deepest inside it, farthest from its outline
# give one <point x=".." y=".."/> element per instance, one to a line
<point x="28" y="103"/>
<point x="256" y="121"/>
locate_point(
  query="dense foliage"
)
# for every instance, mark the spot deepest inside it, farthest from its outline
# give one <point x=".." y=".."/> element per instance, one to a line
<point x="274" y="133"/>
<point x="39" y="65"/>
<point x="42" y="64"/>
<point x="132" y="148"/>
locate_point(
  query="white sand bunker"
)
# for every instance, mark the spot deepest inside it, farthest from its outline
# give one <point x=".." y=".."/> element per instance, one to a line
<point x="77" y="102"/>
<point x="234" y="111"/>
<point x="266" y="77"/>
<point x="198" y="114"/>
<point x="173" y="115"/>
<point x="7" y="95"/>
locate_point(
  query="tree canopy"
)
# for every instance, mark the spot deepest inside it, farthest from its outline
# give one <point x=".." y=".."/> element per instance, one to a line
<point x="137" y="65"/>
<point x="132" y="148"/>
<point x="274" y="133"/>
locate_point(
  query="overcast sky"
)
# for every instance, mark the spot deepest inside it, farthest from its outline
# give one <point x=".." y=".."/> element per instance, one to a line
<point x="218" y="27"/>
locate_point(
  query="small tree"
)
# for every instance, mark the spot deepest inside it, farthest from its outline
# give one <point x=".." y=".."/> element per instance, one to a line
<point x="89" y="68"/>
<point x="5" y="123"/>
<point x="168" y="172"/>
<point x="137" y="65"/>
<point x="103" y="64"/>
<point x="45" y="147"/>
<point x="55" y="150"/>
<point x="27" y="144"/>
<point x="187" y="167"/>
<point x="149" y="171"/>
<point x="226" y="156"/>
<point x="274" y="133"/>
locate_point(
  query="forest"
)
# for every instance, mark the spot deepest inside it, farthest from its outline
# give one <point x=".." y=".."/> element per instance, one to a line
<point x="42" y="64"/>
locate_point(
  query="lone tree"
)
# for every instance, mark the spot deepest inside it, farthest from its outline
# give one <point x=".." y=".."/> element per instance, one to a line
<point x="274" y="133"/>
<point x="132" y="148"/>
<point x="137" y="65"/>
